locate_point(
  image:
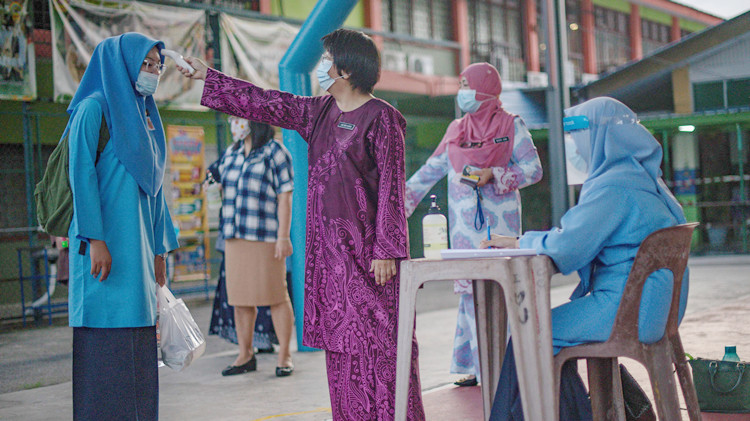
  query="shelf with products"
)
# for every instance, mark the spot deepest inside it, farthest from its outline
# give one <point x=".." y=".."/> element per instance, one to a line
<point x="187" y="169"/>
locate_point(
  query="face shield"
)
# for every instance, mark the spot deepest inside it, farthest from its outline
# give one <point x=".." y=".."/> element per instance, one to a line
<point x="577" y="149"/>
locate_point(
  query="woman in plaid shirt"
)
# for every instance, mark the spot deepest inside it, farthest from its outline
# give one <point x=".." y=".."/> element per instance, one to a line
<point x="257" y="182"/>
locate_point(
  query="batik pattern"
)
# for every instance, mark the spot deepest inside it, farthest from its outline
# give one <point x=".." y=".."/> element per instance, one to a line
<point x="355" y="213"/>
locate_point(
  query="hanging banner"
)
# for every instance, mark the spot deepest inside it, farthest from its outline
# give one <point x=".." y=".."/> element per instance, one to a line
<point x="17" y="59"/>
<point x="251" y="49"/>
<point x="78" y="26"/>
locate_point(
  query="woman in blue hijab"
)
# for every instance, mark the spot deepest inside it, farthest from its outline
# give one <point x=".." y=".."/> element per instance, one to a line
<point x="120" y="232"/>
<point x="623" y="199"/>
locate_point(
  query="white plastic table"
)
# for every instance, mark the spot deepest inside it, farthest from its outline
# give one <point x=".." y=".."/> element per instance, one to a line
<point x="521" y="286"/>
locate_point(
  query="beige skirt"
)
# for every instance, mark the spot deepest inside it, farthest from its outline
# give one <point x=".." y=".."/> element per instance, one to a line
<point x="254" y="277"/>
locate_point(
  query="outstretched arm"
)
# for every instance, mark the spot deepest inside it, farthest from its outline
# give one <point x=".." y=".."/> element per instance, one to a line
<point x="243" y="99"/>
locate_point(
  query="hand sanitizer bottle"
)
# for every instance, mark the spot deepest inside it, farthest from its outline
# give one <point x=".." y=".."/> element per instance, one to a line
<point x="434" y="231"/>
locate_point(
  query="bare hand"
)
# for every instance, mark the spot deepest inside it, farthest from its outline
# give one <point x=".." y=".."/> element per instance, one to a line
<point x="485" y="176"/>
<point x="283" y="248"/>
<point x="499" y="242"/>
<point x="199" y="66"/>
<point x="384" y="270"/>
<point x="101" y="260"/>
<point x="160" y="270"/>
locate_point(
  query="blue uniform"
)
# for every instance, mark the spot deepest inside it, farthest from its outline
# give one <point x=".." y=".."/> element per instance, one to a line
<point x="118" y="200"/>
<point x="622" y="201"/>
<point x="109" y="205"/>
<point x="599" y="237"/>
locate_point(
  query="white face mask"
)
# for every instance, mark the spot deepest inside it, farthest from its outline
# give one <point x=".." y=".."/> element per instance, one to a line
<point x="324" y="79"/>
<point x="240" y="128"/>
<point x="576" y="164"/>
<point x="146" y="83"/>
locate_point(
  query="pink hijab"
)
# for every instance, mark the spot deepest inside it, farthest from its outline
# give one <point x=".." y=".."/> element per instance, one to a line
<point x="490" y="125"/>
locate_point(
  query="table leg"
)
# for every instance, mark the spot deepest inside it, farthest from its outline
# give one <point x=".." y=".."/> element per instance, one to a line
<point x="533" y="353"/>
<point x="406" y="313"/>
<point x="489" y="310"/>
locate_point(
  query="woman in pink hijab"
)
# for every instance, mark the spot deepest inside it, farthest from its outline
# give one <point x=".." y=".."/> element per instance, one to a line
<point x="496" y="146"/>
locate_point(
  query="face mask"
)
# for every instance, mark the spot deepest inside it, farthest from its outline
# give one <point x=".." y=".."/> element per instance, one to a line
<point x="240" y="128"/>
<point x="576" y="164"/>
<point x="467" y="100"/>
<point x="324" y="79"/>
<point x="146" y="83"/>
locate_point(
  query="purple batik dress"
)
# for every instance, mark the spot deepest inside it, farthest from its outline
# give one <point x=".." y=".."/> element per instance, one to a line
<point x="355" y="213"/>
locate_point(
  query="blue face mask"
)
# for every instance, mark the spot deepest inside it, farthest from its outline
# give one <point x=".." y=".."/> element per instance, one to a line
<point x="146" y="83"/>
<point x="324" y="79"/>
<point x="467" y="100"/>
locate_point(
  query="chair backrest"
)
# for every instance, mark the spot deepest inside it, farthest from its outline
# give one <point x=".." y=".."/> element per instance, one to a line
<point x="667" y="248"/>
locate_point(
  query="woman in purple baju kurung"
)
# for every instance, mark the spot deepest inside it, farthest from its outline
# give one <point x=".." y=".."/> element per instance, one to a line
<point x="356" y="224"/>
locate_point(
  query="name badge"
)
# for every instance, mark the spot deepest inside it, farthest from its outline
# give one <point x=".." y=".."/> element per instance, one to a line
<point x="502" y="139"/>
<point x="346" y="126"/>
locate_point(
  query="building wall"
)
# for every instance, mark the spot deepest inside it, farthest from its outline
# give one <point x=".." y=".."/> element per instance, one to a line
<point x="730" y="63"/>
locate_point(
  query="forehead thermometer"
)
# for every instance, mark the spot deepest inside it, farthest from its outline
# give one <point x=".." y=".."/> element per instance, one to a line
<point x="177" y="57"/>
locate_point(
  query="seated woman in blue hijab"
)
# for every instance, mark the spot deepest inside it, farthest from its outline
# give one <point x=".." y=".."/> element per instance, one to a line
<point x="623" y="199"/>
<point x="120" y="231"/>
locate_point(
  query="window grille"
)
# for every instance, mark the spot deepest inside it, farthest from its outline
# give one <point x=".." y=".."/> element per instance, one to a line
<point x="426" y="19"/>
<point x="612" y="38"/>
<point x="495" y="35"/>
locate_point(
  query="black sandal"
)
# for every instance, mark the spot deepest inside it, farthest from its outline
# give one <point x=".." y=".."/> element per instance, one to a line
<point x="467" y="381"/>
<point x="250" y="365"/>
<point x="284" y="371"/>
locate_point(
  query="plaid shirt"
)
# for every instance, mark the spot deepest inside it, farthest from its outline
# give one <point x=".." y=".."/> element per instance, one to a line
<point x="251" y="185"/>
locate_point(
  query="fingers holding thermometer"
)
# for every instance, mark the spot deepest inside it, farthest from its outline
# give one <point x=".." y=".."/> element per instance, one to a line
<point x="190" y="67"/>
<point x="177" y="57"/>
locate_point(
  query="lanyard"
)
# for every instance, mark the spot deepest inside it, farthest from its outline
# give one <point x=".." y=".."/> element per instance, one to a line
<point x="479" y="215"/>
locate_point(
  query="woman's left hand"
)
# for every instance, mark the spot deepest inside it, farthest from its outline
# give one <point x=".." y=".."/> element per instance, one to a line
<point x="283" y="248"/>
<point x="384" y="270"/>
<point x="485" y="176"/>
<point x="160" y="270"/>
<point x="499" y="242"/>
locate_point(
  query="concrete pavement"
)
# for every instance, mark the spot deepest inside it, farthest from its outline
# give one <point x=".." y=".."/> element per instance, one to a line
<point x="718" y="314"/>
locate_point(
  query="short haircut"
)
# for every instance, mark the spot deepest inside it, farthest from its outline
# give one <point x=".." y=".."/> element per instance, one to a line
<point x="355" y="53"/>
<point x="260" y="133"/>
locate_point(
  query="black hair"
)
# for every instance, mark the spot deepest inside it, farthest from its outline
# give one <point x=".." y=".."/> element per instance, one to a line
<point x="355" y="53"/>
<point x="260" y="134"/>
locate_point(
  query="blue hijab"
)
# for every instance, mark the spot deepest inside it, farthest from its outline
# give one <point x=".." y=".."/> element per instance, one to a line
<point x="621" y="151"/>
<point x="110" y="80"/>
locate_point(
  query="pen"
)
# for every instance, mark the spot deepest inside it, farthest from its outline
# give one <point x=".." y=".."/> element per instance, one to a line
<point x="489" y="236"/>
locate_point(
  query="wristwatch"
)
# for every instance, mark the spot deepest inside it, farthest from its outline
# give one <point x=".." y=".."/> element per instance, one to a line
<point x="164" y="256"/>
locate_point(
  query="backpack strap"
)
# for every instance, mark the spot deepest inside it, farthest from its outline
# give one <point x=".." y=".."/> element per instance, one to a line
<point x="103" y="139"/>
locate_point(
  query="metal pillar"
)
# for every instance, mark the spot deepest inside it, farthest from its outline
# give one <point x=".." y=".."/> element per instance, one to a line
<point x="28" y="162"/>
<point x="743" y="196"/>
<point x="558" y="98"/>
<point x="294" y="77"/>
<point x="667" y="155"/>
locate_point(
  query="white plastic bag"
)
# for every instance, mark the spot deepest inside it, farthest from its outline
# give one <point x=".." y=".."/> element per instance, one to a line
<point x="181" y="340"/>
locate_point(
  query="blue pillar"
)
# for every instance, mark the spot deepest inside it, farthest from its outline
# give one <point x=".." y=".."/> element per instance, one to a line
<point x="294" y="77"/>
